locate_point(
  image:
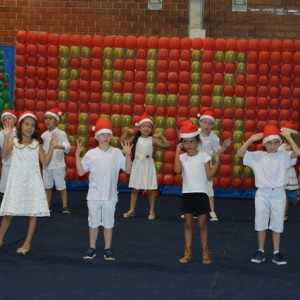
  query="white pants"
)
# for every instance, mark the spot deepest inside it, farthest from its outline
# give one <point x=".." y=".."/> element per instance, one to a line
<point x="101" y="213"/>
<point x="57" y="176"/>
<point x="269" y="209"/>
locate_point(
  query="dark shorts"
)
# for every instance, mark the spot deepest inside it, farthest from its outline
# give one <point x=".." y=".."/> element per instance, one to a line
<point x="195" y="203"/>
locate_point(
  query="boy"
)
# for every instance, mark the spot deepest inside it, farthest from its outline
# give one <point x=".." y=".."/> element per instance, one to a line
<point x="8" y="116"/>
<point x="104" y="164"/>
<point x="210" y="143"/>
<point x="270" y="171"/>
<point x="55" y="172"/>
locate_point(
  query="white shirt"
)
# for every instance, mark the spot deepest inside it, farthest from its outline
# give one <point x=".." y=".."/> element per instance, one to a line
<point x="193" y="172"/>
<point x="58" y="156"/>
<point x="7" y="160"/>
<point x="270" y="169"/>
<point x="104" y="168"/>
<point x="209" y="144"/>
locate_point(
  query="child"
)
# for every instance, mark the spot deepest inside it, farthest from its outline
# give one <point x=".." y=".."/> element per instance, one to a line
<point x="104" y="164"/>
<point x="24" y="194"/>
<point x="292" y="184"/>
<point x="270" y="171"/>
<point x="210" y="143"/>
<point x="196" y="171"/>
<point x="143" y="174"/>
<point x="8" y="116"/>
<point x="55" y="172"/>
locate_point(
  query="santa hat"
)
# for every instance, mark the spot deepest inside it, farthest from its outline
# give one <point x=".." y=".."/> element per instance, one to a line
<point x="291" y="126"/>
<point x="8" y="112"/>
<point x="55" y="112"/>
<point x="25" y="114"/>
<point x="188" y="129"/>
<point x="271" y="132"/>
<point x="144" y="118"/>
<point x="102" y="126"/>
<point x="207" y="113"/>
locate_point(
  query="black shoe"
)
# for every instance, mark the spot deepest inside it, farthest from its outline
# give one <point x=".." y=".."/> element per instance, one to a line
<point x="258" y="257"/>
<point x="278" y="259"/>
<point x="90" y="254"/>
<point x="66" y="210"/>
<point x="108" y="254"/>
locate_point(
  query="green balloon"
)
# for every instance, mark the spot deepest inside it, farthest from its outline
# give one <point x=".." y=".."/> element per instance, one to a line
<point x="161" y="100"/>
<point x="1" y="105"/>
<point x="64" y="51"/>
<point x="150" y="99"/>
<point x="116" y="120"/>
<point x="150" y="88"/>
<point x="86" y="52"/>
<point x="196" y="55"/>
<point x="83" y="130"/>
<point x="5" y="95"/>
<point x="74" y="74"/>
<point x="75" y="51"/>
<point x="115" y="142"/>
<point x="63" y="96"/>
<point x="127" y="98"/>
<point x="64" y="62"/>
<point x="107" y="75"/>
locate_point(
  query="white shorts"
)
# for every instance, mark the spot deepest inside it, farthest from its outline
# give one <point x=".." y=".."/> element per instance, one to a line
<point x="101" y="213"/>
<point x="209" y="187"/>
<point x="269" y="208"/>
<point x="54" y="176"/>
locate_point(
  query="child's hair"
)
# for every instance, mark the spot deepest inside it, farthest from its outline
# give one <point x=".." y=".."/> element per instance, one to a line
<point x="134" y="142"/>
<point x="197" y="137"/>
<point x="36" y="134"/>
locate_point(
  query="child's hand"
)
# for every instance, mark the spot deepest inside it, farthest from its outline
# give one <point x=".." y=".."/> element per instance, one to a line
<point x="54" y="140"/>
<point x="7" y="130"/>
<point x="179" y="148"/>
<point x="79" y="148"/>
<point x="157" y="136"/>
<point x="256" y="137"/>
<point x="285" y="133"/>
<point x="126" y="148"/>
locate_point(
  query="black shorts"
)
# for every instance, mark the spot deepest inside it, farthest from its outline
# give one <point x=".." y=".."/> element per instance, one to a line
<point x="195" y="203"/>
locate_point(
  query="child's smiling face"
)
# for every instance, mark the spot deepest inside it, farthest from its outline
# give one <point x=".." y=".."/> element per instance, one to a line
<point x="146" y="129"/>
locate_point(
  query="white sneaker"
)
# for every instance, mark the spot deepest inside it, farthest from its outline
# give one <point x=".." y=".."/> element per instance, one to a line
<point x="213" y="216"/>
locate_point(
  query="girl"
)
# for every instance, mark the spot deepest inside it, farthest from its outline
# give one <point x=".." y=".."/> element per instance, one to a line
<point x="196" y="171"/>
<point x="25" y="193"/>
<point x="143" y="173"/>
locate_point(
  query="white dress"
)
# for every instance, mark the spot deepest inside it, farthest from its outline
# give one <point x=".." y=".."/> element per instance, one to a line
<point x="143" y="172"/>
<point x="25" y="194"/>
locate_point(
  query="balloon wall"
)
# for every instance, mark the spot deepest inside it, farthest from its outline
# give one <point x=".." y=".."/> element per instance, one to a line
<point x="248" y="83"/>
<point x="4" y="88"/>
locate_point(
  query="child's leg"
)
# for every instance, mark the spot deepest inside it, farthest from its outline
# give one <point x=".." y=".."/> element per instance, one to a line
<point x="133" y="199"/>
<point x="188" y="233"/>
<point x="93" y="232"/>
<point x="64" y="198"/>
<point x="212" y="203"/>
<point x="151" y="195"/>
<point x="30" y="233"/>
<point x="201" y="221"/>
<point x="49" y="196"/>
<point x="261" y="237"/>
<point x="188" y="229"/>
<point x="107" y="233"/>
<point x="4" y="227"/>
<point x="276" y="240"/>
<point x="286" y="209"/>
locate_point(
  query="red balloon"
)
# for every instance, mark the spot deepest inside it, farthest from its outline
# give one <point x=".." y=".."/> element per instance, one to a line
<point x="169" y="158"/>
<point x="169" y="179"/>
<point x="225" y="182"/>
<point x="237" y="183"/>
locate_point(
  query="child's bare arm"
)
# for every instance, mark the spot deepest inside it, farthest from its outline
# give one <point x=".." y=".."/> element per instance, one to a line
<point x="287" y="135"/>
<point x="127" y="135"/>
<point x="254" y="138"/>
<point x="177" y="162"/>
<point x="7" y="145"/>
<point x="211" y="171"/>
<point x="225" y="145"/>
<point x="160" y="141"/>
<point x="79" y="166"/>
<point x="45" y="158"/>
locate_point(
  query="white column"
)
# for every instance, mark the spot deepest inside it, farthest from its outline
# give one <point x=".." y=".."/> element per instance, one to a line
<point x="196" y="13"/>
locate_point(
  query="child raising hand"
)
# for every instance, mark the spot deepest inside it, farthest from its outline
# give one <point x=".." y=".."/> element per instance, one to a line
<point x="143" y="173"/>
<point x="24" y="194"/>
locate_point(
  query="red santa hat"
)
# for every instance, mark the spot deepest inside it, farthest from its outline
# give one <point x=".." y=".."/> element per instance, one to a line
<point x="144" y="118"/>
<point x="188" y="129"/>
<point x="102" y="126"/>
<point x="271" y="132"/>
<point x="207" y="113"/>
<point x="25" y="114"/>
<point x="291" y="126"/>
<point x="55" y="112"/>
<point x="8" y="112"/>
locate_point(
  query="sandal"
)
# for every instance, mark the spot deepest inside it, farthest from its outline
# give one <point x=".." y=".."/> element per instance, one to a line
<point x="128" y="214"/>
<point x="23" y="251"/>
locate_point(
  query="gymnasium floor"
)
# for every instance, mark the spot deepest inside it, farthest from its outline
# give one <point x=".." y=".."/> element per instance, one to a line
<point x="147" y="254"/>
